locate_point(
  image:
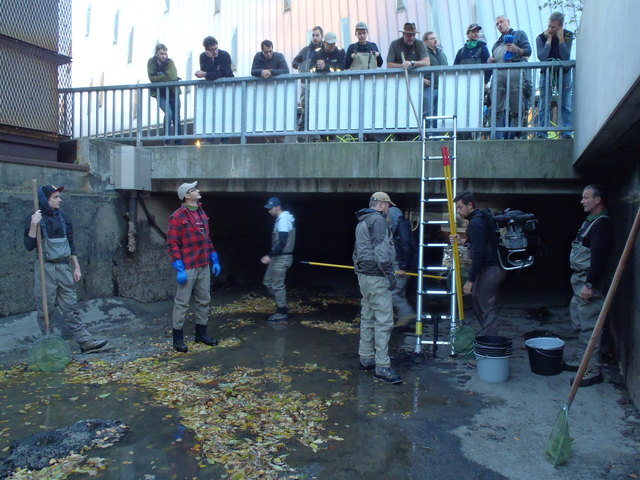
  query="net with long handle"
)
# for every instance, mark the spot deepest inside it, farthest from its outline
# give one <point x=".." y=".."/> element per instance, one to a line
<point x="49" y="353"/>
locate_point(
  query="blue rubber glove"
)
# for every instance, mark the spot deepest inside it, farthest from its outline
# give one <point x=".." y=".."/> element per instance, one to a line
<point x="215" y="263"/>
<point x="181" y="275"/>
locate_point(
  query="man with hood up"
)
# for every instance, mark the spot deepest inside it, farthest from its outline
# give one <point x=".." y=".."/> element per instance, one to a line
<point x="59" y="254"/>
<point x="374" y="259"/>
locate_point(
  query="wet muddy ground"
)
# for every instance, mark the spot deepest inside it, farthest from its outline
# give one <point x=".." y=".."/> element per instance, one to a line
<point x="286" y="401"/>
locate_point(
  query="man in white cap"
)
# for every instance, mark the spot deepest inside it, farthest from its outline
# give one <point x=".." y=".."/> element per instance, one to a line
<point x="374" y="257"/>
<point x="61" y="266"/>
<point x="329" y="57"/>
<point x="280" y="258"/>
<point x="362" y="55"/>
<point x="191" y="250"/>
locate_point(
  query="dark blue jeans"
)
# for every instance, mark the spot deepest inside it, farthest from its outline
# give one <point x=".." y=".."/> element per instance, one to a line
<point x="170" y="105"/>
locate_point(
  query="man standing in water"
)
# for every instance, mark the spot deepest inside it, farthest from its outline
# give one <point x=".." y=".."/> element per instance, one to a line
<point x="374" y="258"/>
<point x="280" y="258"/>
<point x="191" y="249"/>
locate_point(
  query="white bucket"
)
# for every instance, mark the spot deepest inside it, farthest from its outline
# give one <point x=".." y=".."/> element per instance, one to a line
<point x="492" y="369"/>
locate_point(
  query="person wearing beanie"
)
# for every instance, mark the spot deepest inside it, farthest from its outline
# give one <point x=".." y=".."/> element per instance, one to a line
<point x="362" y="55"/>
<point x="61" y="266"/>
<point x="191" y="251"/>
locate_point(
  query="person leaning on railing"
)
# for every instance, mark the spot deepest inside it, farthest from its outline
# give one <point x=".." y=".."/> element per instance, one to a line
<point x="362" y="55"/>
<point x="302" y="63"/>
<point x="474" y="51"/>
<point x="512" y="46"/>
<point x="406" y="53"/>
<point x="161" y="68"/>
<point x="555" y="44"/>
<point x="214" y="63"/>
<point x="329" y="57"/>
<point x="431" y="81"/>
<point x="267" y="63"/>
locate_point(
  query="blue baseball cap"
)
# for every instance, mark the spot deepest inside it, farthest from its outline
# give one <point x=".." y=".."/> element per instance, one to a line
<point x="273" y="202"/>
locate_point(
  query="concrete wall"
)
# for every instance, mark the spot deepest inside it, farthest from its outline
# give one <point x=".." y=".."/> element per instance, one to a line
<point x="100" y="236"/>
<point x="605" y="74"/>
<point x="624" y="317"/>
<point x="497" y="167"/>
<point x="90" y="211"/>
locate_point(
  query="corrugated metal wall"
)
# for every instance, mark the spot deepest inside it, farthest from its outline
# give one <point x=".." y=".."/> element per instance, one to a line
<point x="182" y="26"/>
<point x="35" y="43"/>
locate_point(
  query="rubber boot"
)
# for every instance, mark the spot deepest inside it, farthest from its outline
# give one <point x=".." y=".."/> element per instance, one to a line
<point x="92" y="345"/>
<point x="279" y="316"/>
<point x="201" y="336"/>
<point x="178" y="341"/>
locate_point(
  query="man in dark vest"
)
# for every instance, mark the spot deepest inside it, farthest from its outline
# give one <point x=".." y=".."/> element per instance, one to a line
<point x="61" y="266"/>
<point x="589" y="254"/>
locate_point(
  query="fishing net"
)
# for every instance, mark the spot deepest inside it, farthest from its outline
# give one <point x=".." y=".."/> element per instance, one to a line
<point x="559" y="446"/>
<point x="462" y="339"/>
<point x="49" y="354"/>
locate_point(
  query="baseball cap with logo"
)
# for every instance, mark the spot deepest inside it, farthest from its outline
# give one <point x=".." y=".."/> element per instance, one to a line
<point x="330" y="37"/>
<point x="184" y="188"/>
<point x="473" y="26"/>
<point x="273" y="202"/>
<point x="49" y="190"/>
<point x="382" y="197"/>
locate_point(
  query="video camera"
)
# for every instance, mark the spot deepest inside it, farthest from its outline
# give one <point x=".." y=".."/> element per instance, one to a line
<point x="515" y="244"/>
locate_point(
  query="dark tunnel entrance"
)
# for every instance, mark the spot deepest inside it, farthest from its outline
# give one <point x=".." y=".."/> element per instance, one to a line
<point x="325" y="224"/>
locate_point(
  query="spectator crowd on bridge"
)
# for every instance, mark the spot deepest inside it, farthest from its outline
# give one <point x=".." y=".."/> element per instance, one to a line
<point x="513" y="88"/>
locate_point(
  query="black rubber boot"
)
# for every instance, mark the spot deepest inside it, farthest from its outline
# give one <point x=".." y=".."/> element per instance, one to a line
<point x="178" y="341"/>
<point x="201" y="336"/>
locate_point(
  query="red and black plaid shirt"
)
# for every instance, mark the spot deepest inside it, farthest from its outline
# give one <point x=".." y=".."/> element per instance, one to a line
<point x="188" y="241"/>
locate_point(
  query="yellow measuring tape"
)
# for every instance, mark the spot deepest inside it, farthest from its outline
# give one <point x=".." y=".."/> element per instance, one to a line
<point x="318" y="264"/>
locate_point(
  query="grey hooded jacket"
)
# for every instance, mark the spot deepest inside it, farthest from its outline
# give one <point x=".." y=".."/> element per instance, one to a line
<point x="373" y="253"/>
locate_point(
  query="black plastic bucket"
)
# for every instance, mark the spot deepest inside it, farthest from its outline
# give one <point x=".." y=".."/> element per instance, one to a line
<point x="545" y="355"/>
<point x="492" y="358"/>
<point x="492" y="346"/>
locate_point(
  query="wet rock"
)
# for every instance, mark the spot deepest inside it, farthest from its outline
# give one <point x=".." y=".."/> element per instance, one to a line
<point x="34" y="452"/>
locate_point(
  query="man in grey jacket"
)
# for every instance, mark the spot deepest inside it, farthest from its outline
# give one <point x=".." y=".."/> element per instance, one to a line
<point x="374" y="258"/>
<point x="555" y="44"/>
<point x="511" y="47"/>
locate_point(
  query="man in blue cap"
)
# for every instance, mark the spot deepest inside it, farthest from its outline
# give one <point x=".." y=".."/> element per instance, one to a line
<point x="280" y="258"/>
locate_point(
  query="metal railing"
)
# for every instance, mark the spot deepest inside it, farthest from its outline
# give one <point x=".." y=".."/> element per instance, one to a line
<point x="351" y="105"/>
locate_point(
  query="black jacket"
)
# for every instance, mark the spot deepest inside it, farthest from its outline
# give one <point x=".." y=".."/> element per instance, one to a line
<point x="51" y="225"/>
<point x="333" y="61"/>
<point x="216" y="67"/>
<point x="482" y="238"/>
<point x="277" y="64"/>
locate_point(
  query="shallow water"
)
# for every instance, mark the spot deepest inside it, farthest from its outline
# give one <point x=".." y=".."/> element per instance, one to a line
<point x="380" y="431"/>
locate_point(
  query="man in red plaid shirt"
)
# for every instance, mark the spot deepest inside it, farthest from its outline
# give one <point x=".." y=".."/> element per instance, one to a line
<point x="191" y="250"/>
